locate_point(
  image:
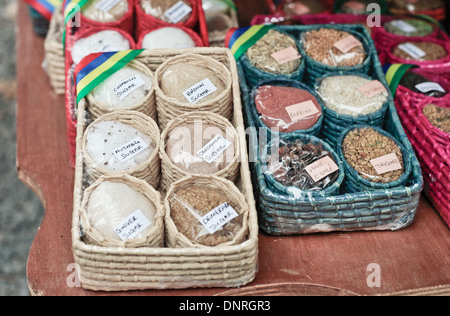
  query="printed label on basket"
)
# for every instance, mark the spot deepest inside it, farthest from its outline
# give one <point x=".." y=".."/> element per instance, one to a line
<point x="218" y="217"/>
<point x="130" y="149"/>
<point x="106" y="5"/>
<point x="321" y="168"/>
<point x="132" y="226"/>
<point x="214" y="148"/>
<point x="302" y="110"/>
<point x="199" y="91"/>
<point x="425" y="87"/>
<point x="412" y="50"/>
<point x="372" y="88"/>
<point x="286" y="55"/>
<point x="347" y="44"/>
<point x="123" y="89"/>
<point x="178" y="12"/>
<point x="386" y="163"/>
<point x="403" y="26"/>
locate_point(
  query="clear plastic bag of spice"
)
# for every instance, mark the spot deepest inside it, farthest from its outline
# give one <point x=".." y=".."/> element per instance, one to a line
<point x="333" y="47"/>
<point x="105" y="11"/>
<point x="304" y="166"/>
<point x="170" y="11"/>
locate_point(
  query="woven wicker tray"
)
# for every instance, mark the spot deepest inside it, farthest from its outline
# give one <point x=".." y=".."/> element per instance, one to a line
<point x="119" y="269"/>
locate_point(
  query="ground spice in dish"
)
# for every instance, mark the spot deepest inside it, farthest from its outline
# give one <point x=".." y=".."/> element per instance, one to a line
<point x="360" y="146"/>
<point x="319" y="45"/>
<point x="293" y="158"/>
<point x="276" y="103"/>
<point x="158" y="9"/>
<point x="438" y="117"/>
<point x="202" y="200"/>
<point x="432" y="51"/>
<point x="260" y="54"/>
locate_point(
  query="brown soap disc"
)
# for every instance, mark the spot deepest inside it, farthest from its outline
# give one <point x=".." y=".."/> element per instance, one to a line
<point x="271" y="103"/>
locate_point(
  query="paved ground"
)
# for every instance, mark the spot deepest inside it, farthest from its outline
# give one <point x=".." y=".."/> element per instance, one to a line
<point x="20" y="210"/>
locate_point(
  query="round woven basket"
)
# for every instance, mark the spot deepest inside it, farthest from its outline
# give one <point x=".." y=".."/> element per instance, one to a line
<point x="356" y="183"/>
<point x="148" y="171"/>
<point x="194" y="36"/>
<point x="172" y="173"/>
<point x="153" y="238"/>
<point x="175" y="239"/>
<point x="217" y="37"/>
<point x="170" y="108"/>
<point x="147" y="105"/>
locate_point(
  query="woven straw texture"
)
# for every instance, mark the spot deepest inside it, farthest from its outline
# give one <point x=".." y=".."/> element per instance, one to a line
<point x="153" y="238"/>
<point x="172" y="173"/>
<point x="148" y="171"/>
<point x="121" y="269"/>
<point x="146" y="105"/>
<point x="390" y="209"/>
<point x="170" y="108"/>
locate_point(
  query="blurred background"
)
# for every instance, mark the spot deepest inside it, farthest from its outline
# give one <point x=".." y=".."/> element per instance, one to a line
<point x="20" y="210"/>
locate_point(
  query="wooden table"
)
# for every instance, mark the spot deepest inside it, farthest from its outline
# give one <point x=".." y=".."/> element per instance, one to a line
<point x="415" y="260"/>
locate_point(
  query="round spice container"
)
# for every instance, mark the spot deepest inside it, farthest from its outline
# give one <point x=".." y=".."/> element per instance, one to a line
<point x="287" y="106"/>
<point x="189" y="83"/>
<point x="199" y="143"/>
<point x="99" y="40"/>
<point x="409" y="27"/>
<point x="205" y="211"/>
<point x="131" y="88"/>
<point x="122" y="142"/>
<point x="302" y="7"/>
<point x="275" y="55"/>
<point x="420" y="84"/>
<point x="373" y="159"/>
<point x="299" y="165"/>
<point x="220" y="17"/>
<point x="439" y="117"/>
<point x="122" y="211"/>
<point x="167" y="37"/>
<point x="101" y="11"/>
<point x="429" y="51"/>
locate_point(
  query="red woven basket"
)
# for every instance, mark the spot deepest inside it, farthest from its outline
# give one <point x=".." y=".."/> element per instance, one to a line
<point x="70" y="94"/>
<point x="126" y="23"/>
<point x="195" y="37"/>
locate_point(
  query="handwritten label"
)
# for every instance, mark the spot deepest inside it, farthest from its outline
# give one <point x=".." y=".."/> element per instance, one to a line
<point x="386" y="163"/>
<point x="178" y="12"/>
<point x="123" y="89"/>
<point x="412" y="50"/>
<point x="214" y="148"/>
<point x="130" y="149"/>
<point x="321" y="168"/>
<point x="425" y="87"/>
<point x="347" y="44"/>
<point x="301" y="110"/>
<point x="404" y="26"/>
<point x="106" y="5"/>
<point x="132" y="226"/>
<point x="199" y="91"/>
<point x="286" y="55"/>
<point x="372" y="88"/>
<point x="218" y="217"/>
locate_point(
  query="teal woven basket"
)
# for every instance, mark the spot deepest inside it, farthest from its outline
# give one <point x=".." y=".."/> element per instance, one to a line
<point x="358" y="183"/>
<point x="335" y="123"/>
<point x="284" y="214"/>
<point x="255" y="75"/>
<point x="315" y="69"/>
<point x="278" y="187"/>
<point x="280" y="81"/>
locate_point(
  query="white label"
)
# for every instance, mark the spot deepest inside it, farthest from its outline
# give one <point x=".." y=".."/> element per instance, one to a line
<point x="199" y="91"/>
<point x="412" y="50"/>
<point x="132" y="226"/>
<point x="321" y="168"/>
<point x="123" y="89"/>
<point x="106" y="5"/>
<point x="386" y="163"/>
<point x="403" y="26"/>
<point x="130" y="149"/>
<point x="302" y="110"/>
<point x="214" y="148"/>
<point x="218" y="217"/>
<point x="178" y="12"/>
<point x="425" y="87"/>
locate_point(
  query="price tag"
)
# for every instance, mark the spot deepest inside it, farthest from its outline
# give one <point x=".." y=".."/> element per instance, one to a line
<point x="178" y="12"/>
<point x="286" y="55"/>
<point x="132" y="226"/>
<point x="214" y="149"/>
<point x="425" y="87"/>
<point x="301" y="110"/>
<point x="199" y="91"/>
<point x="321" y="168"/>
<point x="123" y="89"/>
<point x="347" y="44"/>
<point x="404" y="26"/>
<point x="412" y="50"/>
<point x="386" y="163"/>
<point x="106" y="5"/>
<point x="372" y="88"/>
<point x="218" y="217"/>
<point x="130" y="149"/>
